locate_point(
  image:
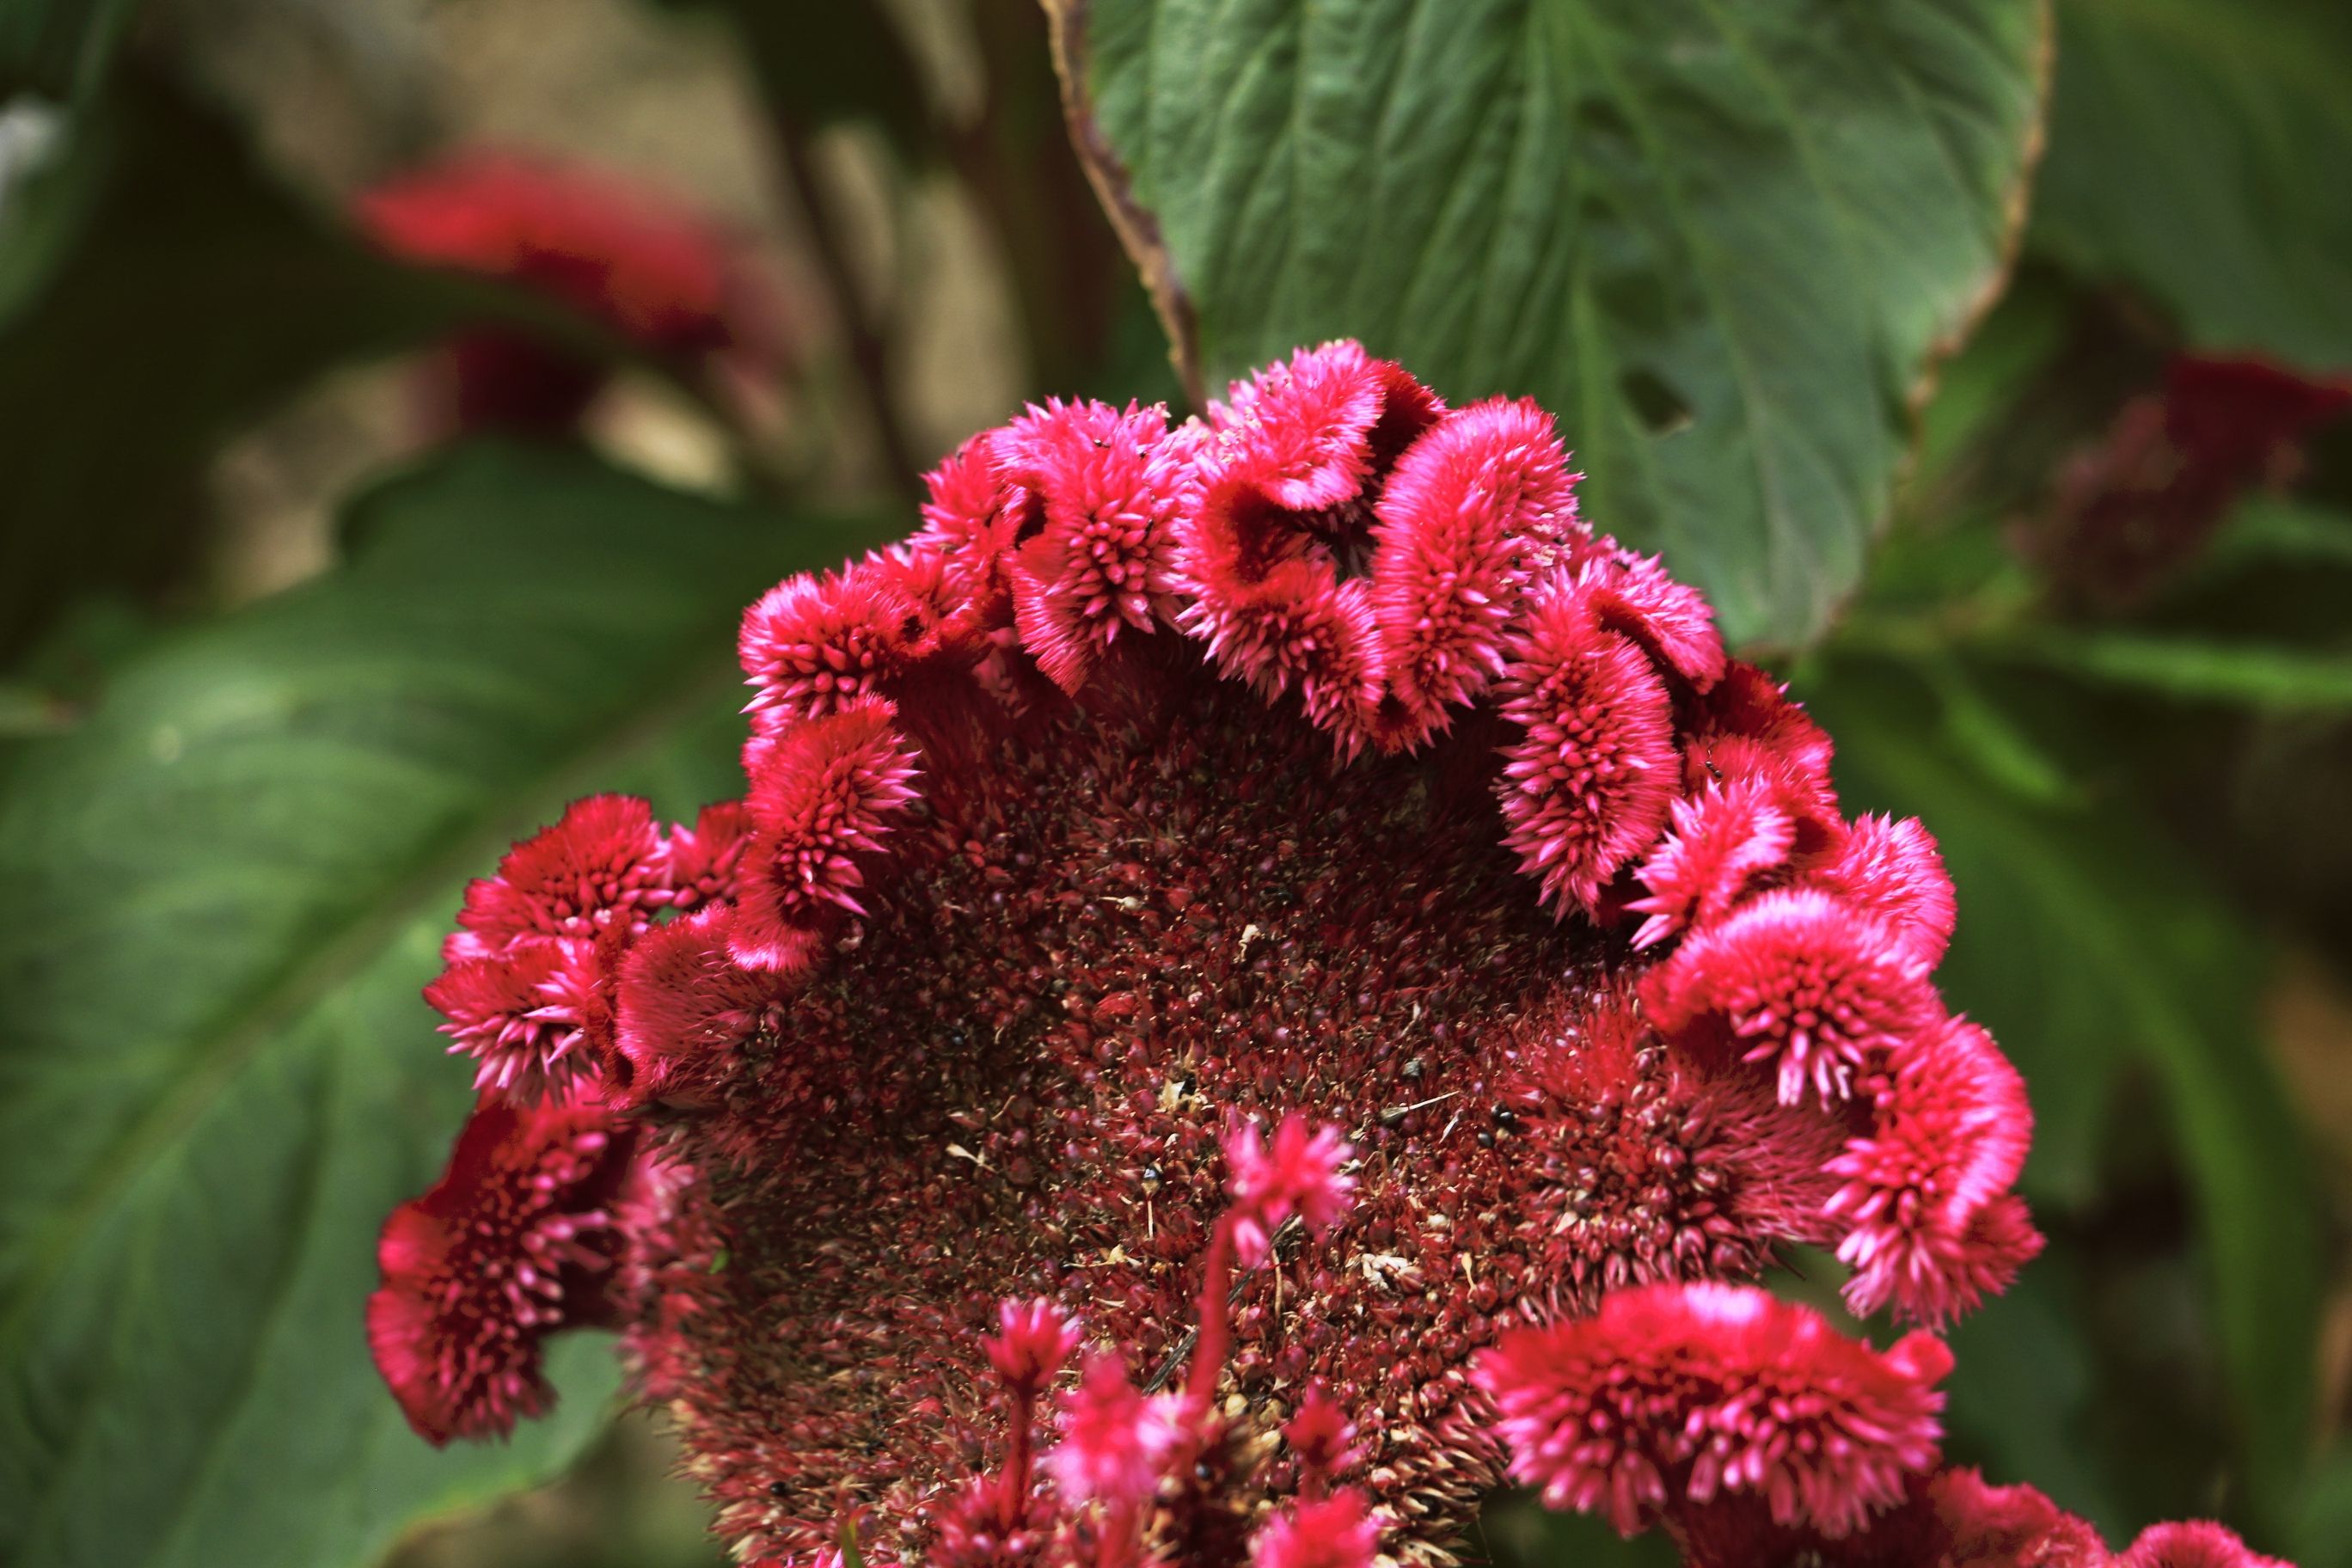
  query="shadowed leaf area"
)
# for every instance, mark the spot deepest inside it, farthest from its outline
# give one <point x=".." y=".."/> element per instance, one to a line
<point x="217" y="1074"/>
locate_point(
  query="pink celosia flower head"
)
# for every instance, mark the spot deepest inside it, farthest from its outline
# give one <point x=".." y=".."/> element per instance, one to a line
<point x="666" y="280"/>
<point x="1215" y="845"/>
<point x="1323" y="1533"/>
<point x="2193" y="1544"/>
<point x="1800" y="978"/>
<point x="512" y="1244"/>
<point x="1678" y="1393"/>
<point x="1114" y="1440"/>
<point x="1032" y="1340"/>
<point x="1321" y="1435"/>
<point x="1301" y="1172"/>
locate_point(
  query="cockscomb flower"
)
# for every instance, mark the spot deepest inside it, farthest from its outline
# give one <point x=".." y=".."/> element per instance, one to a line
<point x="1756" y="1436"/>
<point x="2194" y="1544"/>
<point x="1193" y="887"/>
<point x="515" y="1241"/>
<point x="1935" y="1225"/>
<point x="2125" y="514"/>
<point x="1113" y="1439"/>
<point x="1300" y="1172"/>
<point x="666" y="280"/>
<point x="1675" y="1395"/>
<point x="1319" y="1532"/>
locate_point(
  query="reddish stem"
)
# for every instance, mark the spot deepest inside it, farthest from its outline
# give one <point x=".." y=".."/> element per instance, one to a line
<point x="1012" y="1504"/>
<point x="1216" y="1317"/>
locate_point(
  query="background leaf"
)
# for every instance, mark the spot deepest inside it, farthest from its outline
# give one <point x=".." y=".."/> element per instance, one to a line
<point x="2198" y="150"/>
<point x="1723" y="243"/>
<point x="217" y="1074"/>
<point x="2086" y="948"/>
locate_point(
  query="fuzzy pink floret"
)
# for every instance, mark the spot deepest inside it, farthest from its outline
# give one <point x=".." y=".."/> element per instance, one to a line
<point x="1934" y="1225"/>
<point x="1276" y="529"/>
<point x="1798" y="978"/>
<point x="1673" y="621"/>
<point x="686" y="1010"/>
<point x="1675" y="1394"/>
<point x="1335" y="1531"/>
<point x="2194" y="1544"/>
<point x="1322" y="1436"/>
<point x="1891" y="869"/>
<point x="1588" y="785"/>
<point x="510" y="1015"/>
<point x="602" y="861"/>
<point x="1114" y="1440"/>
<point x="1723" y="840"/>
<point x="1103" y="557"/>
<point x="514" y="1243"/>
<point x="812" y="645"/>
<point x="1472" y="510"/>
<point x="1032" y="1341"/>
<point x="1306" y="423"/>
<point x="827" y="793"/>
<point x="1301" y="1171"/>
<point x="699" y="863"/>
<point x="1269" y="604"/>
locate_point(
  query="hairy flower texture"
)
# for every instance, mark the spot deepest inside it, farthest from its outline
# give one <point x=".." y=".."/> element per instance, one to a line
<point x="1935" y="1224"/>
<point x="1099" y="556"/>
<point x="1299" y="1172"/>
<point x="530" y="990"/>
<point x="1652" y="1169"/>
<point x="2195" y="1544"/>
<point x="824" y="796"/>
<point x="1169" y="848"/>
<point x="1798" y="978"/>
<point x="1591" y="780"/>
<point x="1321" y="1532"/>
<point x="666" y="280"/>
<point x="1114" y="1440"/>
<point x="1471" y="511"/>
<point x="1756" y="1437"/>
<point x="601" y="862"/>
<point x="515" y="1241"/>
<point x="1947" y="1519"/>
<point x="1673" y="1394"/>
<point x="813" y="645"/>
<point x="1723" y="841"/>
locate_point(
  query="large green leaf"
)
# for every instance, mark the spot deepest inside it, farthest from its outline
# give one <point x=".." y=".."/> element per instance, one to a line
<point x="2198" y="149"/>
<point x="1724" y="242"/>
<point x="215" y="1072"/>
<point x="2083" y="945"/>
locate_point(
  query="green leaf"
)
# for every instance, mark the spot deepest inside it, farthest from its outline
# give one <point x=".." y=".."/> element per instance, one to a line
<point x="2191" y="669"/>
<point x="2198" y="150"/>
<point x="59" y="48"/>
<point x="2021" y="1396"/>
<point x="2267" y="528"/>
<point x="1723" y="243"/>
<point x="217" y="1074"/>
<point x="2083" y="945"/>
